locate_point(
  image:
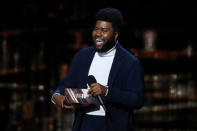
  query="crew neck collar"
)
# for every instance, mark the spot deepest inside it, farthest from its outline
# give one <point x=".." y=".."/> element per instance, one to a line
<point x="109" y="52"/>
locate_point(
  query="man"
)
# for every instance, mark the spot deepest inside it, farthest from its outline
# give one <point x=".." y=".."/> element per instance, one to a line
<point x="118" y="75"/>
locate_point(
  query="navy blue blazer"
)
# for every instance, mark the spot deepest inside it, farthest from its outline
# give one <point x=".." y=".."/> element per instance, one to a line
<point x="125" y="87"/>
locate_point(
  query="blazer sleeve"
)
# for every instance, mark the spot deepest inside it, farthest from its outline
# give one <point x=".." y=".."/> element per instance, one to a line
<point x="133" y="94"/>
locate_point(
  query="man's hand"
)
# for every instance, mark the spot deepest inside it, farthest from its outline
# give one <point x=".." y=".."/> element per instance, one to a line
<point x="97" y="89"/>
<point x="59" y="100"/>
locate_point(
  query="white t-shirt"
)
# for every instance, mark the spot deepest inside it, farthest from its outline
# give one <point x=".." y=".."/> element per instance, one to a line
<point x="100" y="69"/>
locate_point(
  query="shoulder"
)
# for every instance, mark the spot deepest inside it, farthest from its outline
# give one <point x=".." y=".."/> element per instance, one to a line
<point x="128" y="56"/>
<point x="84" y="52"/>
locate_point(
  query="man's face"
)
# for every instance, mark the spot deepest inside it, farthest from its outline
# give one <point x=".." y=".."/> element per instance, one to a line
<point x="103" y="35"/>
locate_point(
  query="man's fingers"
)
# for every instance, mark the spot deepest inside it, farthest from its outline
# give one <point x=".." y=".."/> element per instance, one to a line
<point x="96" y="89"/>
<point x="93" y="92"/>
<point x="89" y="91"/>
<point x="68" y="107"/>
<point x="93" y="85"/>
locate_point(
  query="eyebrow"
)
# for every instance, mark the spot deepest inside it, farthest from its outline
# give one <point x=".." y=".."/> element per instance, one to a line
<point x="102" y="27"/>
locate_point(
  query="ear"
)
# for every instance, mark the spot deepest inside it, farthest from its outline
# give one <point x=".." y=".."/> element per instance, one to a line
<point x="116" y="35"/>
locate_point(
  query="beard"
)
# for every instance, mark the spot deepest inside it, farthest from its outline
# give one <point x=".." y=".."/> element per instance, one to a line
<point x="107" y="46"/>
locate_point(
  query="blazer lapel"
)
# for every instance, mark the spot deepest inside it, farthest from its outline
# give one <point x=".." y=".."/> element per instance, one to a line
<point x="90" y="56"/>
<point x="115" y="65"/>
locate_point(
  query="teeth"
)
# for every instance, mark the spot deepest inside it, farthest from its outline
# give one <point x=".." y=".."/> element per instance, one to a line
<point x="99" y="40"/>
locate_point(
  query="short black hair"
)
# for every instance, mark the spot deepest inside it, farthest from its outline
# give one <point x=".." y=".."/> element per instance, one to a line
<point x="111" y="15"/>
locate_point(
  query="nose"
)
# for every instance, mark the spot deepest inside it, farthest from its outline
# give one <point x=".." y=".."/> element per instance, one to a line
<point x="98" y="33"/>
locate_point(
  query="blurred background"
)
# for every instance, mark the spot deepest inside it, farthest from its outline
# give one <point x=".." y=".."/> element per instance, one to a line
<point x="38" y="39"/>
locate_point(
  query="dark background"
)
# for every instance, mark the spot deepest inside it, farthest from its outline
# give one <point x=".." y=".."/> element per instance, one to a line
<point x="174" y="20"/>
<point x="44" y="33"/>
<point x="52" y="23"/>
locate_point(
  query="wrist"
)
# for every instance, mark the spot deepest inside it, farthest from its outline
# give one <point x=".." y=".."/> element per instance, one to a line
<point x="106" y="92"/>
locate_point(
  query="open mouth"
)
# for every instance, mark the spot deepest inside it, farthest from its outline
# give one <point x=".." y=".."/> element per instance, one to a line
<point x="99" y="42"/>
